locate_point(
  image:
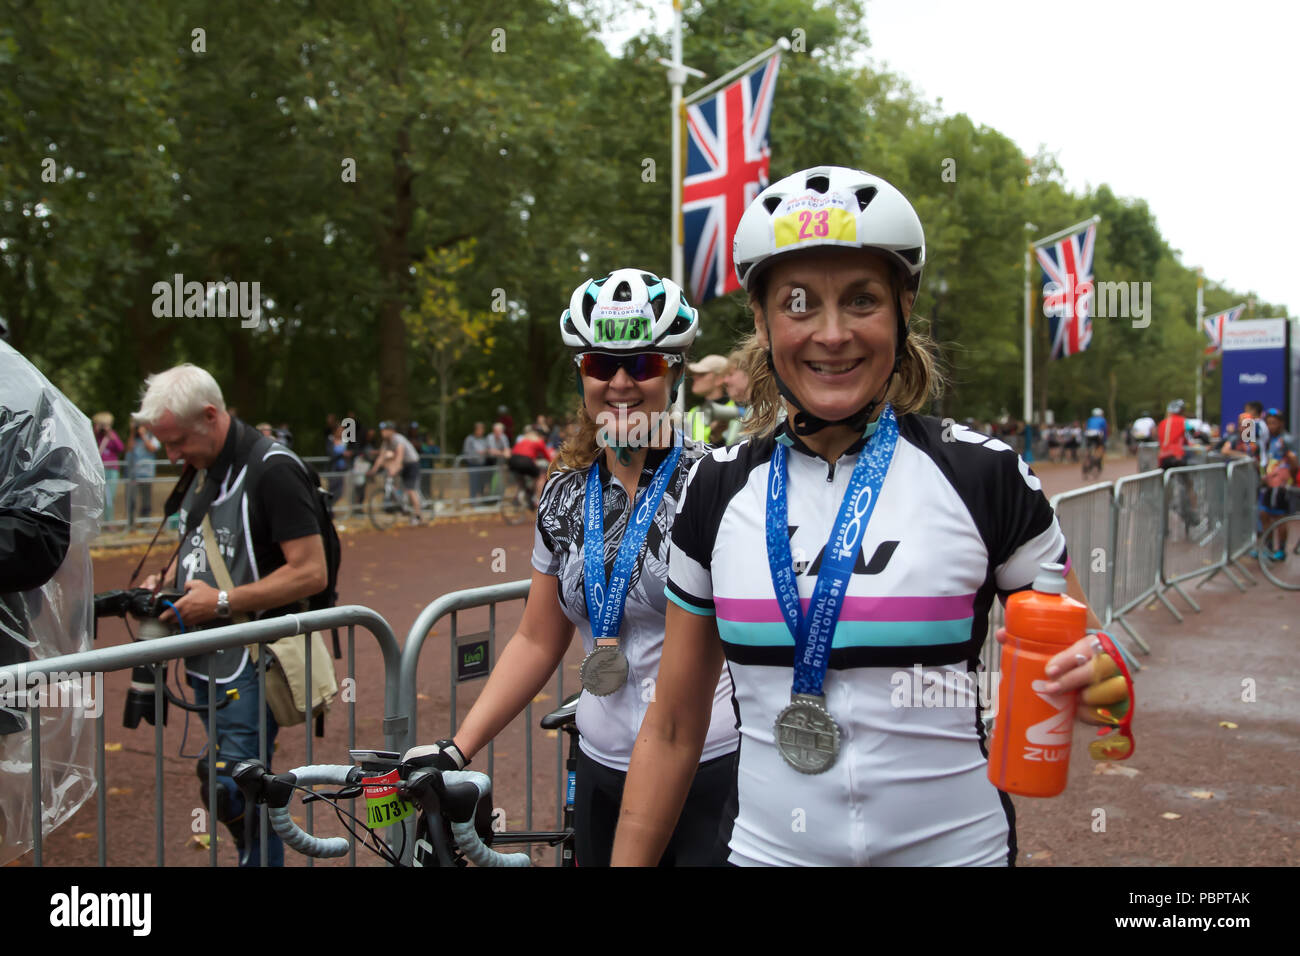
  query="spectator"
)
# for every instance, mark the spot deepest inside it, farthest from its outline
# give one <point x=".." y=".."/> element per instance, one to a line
<point x="504" y="417"/>
<point x="1280" y="469"/>
<point x="474" y="451"/>
<point x="283" y="435"/>
<point x="1246" y="441"/>
<point x="51" y="496"/>
<point x="264" y="503"/>
<point x="141" y="449"/>
<point x="736" y="380"/>
<point x="707" y="381"/>
<point x="265" y="429"/>
<point x="331" y="422"/>
<point x="336" y="449"/>
<point x="110" y="453"/>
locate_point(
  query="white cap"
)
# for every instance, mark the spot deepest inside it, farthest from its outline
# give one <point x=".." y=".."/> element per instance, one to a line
<point x="1051" y="579"/>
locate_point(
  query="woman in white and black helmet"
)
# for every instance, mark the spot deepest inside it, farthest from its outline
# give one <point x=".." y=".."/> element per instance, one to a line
<point x="840" y="547"/>
<point x="600" y="563"/>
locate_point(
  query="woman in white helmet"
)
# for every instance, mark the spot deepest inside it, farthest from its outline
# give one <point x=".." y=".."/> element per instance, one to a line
<point x="848" y="543"/>
<point x="600" y="563"/>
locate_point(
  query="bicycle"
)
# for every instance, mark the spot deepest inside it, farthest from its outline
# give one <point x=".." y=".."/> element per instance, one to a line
<point x="386" y="504"/>
<point x="517" y="503"/>
<point x="1278" y="548"/>
<point x="1093" y="460"/>
<point x="454" y="807"/>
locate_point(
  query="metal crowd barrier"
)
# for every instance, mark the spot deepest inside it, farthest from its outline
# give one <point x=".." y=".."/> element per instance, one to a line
<point x="1148" y="456"/>
<point x="1139" y="501"/>
<point x="1195" y="536"/>
<point x="460" y="645"/>
<point x="158" y="651"/>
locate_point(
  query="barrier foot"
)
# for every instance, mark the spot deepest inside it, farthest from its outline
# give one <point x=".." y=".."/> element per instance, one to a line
<point x="1245" y="573"/>
<point x="1172" y="610"/>
<point x="1186" y="597"/>
<point x="1137" y="638"/>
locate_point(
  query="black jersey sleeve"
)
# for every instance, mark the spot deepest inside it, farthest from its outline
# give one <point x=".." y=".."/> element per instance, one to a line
<point x="287" y="500"/>
<point x="690" y="578"/>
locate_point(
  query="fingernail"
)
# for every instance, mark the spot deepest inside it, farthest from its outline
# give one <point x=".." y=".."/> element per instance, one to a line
<point x="1052" y="687"/>
<point x="1082" y="658"/>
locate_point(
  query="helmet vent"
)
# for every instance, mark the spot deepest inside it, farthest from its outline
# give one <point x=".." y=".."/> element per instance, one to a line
<point x="865" y="195"/>
<point x="771" y="202"/>
<point x="623" y="293"/>
<point x="819" y="183"/>
<point x="912" y="255"/>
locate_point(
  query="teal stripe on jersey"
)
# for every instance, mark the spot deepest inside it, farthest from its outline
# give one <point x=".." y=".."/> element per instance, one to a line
<point x="688" y="606"/>
<point x="851" y="633"/>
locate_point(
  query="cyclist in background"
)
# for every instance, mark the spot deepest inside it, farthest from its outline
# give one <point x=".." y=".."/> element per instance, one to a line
<point x="1279" y="473"/>
<point x="603" y="528"/>
<point x="1246" y="442"/>
<point x="524" y="457"/>
<point x="398" y="456"/>
<point x="1171" y="433"/>
<point x="1096" y="433"/>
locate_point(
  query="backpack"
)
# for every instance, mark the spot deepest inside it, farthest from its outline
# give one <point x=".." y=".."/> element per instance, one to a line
<point x="325" y="518"/>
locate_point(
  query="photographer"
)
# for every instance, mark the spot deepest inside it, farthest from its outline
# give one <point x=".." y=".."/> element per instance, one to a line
<point x="51" y="497"/>
<point x="253" y="508"/>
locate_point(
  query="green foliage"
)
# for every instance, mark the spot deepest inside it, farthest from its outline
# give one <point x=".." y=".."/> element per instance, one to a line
<point x="501" y="154"/>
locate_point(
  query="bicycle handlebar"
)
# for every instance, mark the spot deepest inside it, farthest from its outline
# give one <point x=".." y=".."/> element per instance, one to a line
<point x="466" y="837"/>
<point x="295" y="836"/>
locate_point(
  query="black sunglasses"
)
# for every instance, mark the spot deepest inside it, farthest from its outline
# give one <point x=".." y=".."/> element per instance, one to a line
<point x="603" y="366"/>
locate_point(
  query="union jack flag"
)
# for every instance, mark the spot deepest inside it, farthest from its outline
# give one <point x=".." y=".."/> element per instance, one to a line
<point x="727" y="158"/>
<point x="1067" y="290"/>
<point x="1213" y="325"/>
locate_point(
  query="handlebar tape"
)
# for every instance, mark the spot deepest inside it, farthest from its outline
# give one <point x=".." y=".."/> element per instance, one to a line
<point x="467" y="838"/>
<point x="292" y="834"/>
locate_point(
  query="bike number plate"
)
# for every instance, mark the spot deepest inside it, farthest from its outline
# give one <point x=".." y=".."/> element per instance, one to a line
<point x="383" y="806"/>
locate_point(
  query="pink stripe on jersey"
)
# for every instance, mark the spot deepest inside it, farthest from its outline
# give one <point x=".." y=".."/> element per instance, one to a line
<point x="954" y="607"/>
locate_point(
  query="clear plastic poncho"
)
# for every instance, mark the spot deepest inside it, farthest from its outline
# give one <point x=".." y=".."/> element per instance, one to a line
<point x="49" y="464"/>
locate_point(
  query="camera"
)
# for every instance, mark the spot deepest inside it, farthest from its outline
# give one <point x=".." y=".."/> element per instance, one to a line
<point x="145" y="607"/>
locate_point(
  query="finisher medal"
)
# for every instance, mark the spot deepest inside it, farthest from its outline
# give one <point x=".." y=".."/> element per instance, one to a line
<point x="807" y="735"/>
<point x="604" y="670"/>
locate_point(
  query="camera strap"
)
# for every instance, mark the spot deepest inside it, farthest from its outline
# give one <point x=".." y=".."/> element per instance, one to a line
<point x="170" y="507"/>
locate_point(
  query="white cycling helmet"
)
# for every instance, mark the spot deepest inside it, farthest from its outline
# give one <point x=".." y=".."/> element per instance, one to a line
<point x="1097" y="412"/>
<point x="629" y="310"/>
<point x="829" y="206"/>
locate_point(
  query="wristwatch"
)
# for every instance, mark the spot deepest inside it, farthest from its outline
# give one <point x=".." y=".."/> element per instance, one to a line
<point x="223" y="604"/>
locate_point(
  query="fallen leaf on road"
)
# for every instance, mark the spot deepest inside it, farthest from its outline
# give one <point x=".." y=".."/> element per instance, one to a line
<point x="482" y="534"/>
<point x="552" y="734"/>
<point x="1227" y="723"/>
<point x="368" y="594"/>
<point x="541" y="697"/>
<point x="480" y="559"/>
<point x="83" y="835"/>
<point x="199" y="841"/>
<point x="1115" y="769"/>
<point x="112" y="748"/>
<point x="1202" y="794"/>
<point x="118" y="791"/>
<point x="1171" y="816"/>
<point x="417" y="697"/>
<point x="1043" y="855"/>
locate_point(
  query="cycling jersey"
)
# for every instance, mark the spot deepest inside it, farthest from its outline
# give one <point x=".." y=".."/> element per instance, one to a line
<point x="1096" y="427"/>
<point x="1172" y="435"/>
<point x="400" y="443"/>
<point x="1143" y="427"/>
<point x="608" y="726"/>
<point x="960" y="519"/>
<point x="532" y="448"/>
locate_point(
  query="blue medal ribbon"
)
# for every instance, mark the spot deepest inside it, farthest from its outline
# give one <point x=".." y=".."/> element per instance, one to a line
<point x="813" y="633"/>
<point x="605" y="600"/>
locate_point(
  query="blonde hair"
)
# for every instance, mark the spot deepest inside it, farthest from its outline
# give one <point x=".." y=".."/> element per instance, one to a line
<point x="184" y="391"/>
<point x="916" y="381"/>
<point x="103" y="418"/>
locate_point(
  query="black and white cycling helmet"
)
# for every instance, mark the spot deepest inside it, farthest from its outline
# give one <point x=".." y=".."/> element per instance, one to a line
<point x="629" y="310"/>
<point x="829" y="206"/>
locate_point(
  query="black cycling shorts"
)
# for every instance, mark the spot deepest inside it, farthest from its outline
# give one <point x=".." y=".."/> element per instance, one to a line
<point x="410" y="475"/>
<point x="1094" y="441"/>
<point x="1171" y="462"/>
<point x="524" y="466"/>
<point x="1276" y="501"/>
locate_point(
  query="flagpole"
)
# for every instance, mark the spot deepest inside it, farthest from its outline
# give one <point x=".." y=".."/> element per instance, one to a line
<point x="1067" y="231"/>
<point x="1029" y="358"/>
<point x="1200" y="324"/>
<point x="702" y="92"/>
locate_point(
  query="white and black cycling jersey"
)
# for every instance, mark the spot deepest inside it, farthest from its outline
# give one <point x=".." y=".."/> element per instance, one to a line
<point x="960" y="519"/>
<point x="608" y="725"/>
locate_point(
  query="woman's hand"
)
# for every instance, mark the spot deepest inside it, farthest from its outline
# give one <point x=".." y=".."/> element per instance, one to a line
<point x="1085" y="667"/>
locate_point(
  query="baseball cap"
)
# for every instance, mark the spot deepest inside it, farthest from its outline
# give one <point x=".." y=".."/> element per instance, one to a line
<point x="710" y="364"/>
<point x="383" y="425"/>
<point x="1275" y="412"/>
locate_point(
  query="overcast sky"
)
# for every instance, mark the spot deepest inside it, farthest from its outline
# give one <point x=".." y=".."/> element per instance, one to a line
<point x="1191" y="106"/>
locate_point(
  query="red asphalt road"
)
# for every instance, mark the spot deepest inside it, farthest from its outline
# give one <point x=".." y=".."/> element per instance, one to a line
<point x="1233" y="789"/>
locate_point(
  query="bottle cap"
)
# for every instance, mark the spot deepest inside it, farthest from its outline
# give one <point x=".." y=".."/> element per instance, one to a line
<point x="1051" y="579"/>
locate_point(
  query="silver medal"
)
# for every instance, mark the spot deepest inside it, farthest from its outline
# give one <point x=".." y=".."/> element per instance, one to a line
<point x="807" y="735"/>
<point x="604" y="670"/>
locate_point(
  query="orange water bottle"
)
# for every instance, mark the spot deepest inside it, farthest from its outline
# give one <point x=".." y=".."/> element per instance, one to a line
<point x="1032" y="731"/>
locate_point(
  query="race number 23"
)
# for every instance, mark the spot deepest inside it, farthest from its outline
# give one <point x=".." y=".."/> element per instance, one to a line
<point x="806" y="224"/>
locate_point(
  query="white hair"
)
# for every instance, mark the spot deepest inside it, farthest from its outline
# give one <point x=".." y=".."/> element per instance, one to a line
<point x="183" y="391"/>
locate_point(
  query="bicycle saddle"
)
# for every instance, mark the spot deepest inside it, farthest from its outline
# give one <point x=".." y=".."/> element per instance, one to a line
<point x="563" y="716"/>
